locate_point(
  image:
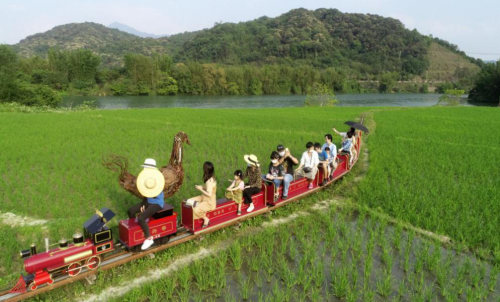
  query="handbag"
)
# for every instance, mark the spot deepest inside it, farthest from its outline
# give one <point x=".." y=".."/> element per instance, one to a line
<point x="307" y="169"/>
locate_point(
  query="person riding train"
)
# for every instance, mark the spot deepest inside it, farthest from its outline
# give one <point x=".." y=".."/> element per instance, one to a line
<point x="275" y="173"/>
<point x="309" y="164"/>
<point x="150" y="183"/>
<point x="207" y="201"/>
<point x="254" y="183"/>
<point x="288" y="161"/>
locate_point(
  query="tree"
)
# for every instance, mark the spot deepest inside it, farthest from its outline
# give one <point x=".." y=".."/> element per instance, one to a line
<point x="321" y="96"/>
<point x="451" y="97"/>
<point x="8" y="84"/>
<point x="387" y="82"/>
<point x="487" y="85"/>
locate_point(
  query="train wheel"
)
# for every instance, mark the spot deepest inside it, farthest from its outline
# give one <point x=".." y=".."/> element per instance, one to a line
<point x="33" y="286"/>
<point x="93" y="262"/>
<point x="74" y="269"/>
<point x="164" y="240"/>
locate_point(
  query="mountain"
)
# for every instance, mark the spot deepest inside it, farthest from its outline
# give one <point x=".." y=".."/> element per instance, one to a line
<point x="111" y="44"/>
<point x="133" y="31"/>
<point x="360" y="44"/>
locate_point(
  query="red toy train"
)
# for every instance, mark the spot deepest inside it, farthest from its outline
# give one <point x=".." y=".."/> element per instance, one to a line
<point x="88" y="249"/>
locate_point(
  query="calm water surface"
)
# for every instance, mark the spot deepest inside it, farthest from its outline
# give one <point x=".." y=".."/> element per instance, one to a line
<point x="368" y="100"/>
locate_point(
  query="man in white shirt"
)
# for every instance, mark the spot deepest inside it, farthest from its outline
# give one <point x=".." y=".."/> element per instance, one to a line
<point x="309" y="163"/>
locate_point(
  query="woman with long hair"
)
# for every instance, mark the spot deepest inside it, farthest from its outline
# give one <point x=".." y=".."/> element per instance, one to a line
<point x="205" y="202"/>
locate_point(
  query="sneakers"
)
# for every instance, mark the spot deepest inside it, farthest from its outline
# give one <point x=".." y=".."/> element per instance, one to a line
<point x="147" y="243"/>
<point x="284" y="197"/>
<point x="310" y="186"/>
<point x="250" y="208"/>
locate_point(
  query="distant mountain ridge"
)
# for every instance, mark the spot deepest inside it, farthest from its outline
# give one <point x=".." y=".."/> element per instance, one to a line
<point x="133" y="31"/>
<point x="360" y="44"/>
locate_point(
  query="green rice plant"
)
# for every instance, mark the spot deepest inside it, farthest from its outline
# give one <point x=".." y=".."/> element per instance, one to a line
<point x="277" y="293"/>
<point x="184" y="294"/>
<point x="340" y="282"/>
<point x="201" y="274"/>
<point x="402" y="288"/>
<point x="352" y="294"/>
<point x="384" y="285"/>
<point x="492" y="281"/>
<point x="318" y="274"/>
<point x="198" y="297"/>
<point x="368" y="267"/>
<point x="315" y="294"/>
<point x="254" y="262"/>
<point x="387" y="258"/>
<point x="169" y="286"/>
<point x="245" y="288"/>
<point x="292" y="248"/>
<point x="396" y="241"/>
<point x="259" y="281"/>
<point x="184" y="277"/>
<point x="354" y="276"/>
<point x="235" y="255"/>
<point x="368" y="293"/>
<point x="229" y="297"/>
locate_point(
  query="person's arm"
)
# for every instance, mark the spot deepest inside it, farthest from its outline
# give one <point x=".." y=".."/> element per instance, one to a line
<point x="231" y="187"/>
<point x="241" y="186"/>
<point x="315" y="159"/>
<point x="210" y="187"/>
<point x="335" y="130"/>
<point x="302" y="160"/>
<point x="294" y="160"/>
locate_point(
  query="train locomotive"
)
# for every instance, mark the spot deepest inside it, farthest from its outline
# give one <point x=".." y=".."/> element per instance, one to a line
<point x="88" y="249"/>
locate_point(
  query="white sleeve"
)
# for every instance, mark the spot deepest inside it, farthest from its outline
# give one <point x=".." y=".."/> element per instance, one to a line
<point x="303" y="159"/>
<point x="333" y="150"/>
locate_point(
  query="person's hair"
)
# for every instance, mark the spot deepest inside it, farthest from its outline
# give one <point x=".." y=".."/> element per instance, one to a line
<point x="327" y="148"/>
<point x="208" y="171"/>
<point x="309" y="145"/>
<point x="349" y="134"/>
<point x="238" y="173"/>
<point x="353" y="130"/>
<point x="280" y="148"/>
<point x="329" y="136"/>
<point x="317" y="146"/>
<point x="274" y="155"/>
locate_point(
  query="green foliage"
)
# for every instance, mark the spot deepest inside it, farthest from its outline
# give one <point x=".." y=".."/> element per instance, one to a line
<point x="451" y="97"/>
<point x="487" y="85"/>
<point x="321" y="96"/>
<point x="387" y="82"/>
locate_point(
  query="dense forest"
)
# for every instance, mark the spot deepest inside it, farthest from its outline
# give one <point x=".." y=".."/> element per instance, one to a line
<point x="288" y="54"/>
<point x="487" y="86"/>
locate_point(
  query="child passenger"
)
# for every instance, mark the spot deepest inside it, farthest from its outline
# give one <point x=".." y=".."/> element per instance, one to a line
<point x="323" y="162"/>
<point x="235" y="190"/>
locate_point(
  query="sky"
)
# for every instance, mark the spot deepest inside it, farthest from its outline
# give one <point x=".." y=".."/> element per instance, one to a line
<point x="472" y="25"/>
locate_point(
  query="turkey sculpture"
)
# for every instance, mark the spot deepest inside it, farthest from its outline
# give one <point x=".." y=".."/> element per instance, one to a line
<point x="173" y="172"/>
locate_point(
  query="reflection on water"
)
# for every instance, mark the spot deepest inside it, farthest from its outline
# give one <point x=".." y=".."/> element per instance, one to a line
<point x="369" y="100"/>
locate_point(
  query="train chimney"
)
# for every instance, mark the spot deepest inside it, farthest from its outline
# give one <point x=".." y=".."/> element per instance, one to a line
<point x="63" y="243"/>
<point x="24" y="254"/>
<point x="78" y="239"/>
<point x="33" y="249"/>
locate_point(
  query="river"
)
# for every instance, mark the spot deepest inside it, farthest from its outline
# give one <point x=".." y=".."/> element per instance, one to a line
<point x="367" y="100"/>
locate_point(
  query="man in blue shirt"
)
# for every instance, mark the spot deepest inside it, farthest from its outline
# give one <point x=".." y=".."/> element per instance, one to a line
<point x="150" y="183"/>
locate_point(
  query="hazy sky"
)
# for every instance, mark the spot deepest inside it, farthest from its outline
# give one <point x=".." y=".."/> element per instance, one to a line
<point x="472" y="25"/>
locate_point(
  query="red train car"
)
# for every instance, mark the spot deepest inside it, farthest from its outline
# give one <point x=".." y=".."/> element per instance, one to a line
<point x="161" y="226"/>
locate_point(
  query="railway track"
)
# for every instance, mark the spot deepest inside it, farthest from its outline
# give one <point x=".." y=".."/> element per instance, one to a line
<point x="122" y="257"/>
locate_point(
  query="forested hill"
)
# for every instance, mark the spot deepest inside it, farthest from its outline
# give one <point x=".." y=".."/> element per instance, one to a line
<point x="363" y="45"/>
<point x="111" y="44"/>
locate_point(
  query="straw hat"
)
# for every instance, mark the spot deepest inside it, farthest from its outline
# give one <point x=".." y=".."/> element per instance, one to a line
<point x="252" y="160"/>
<point x="150" y="181"/>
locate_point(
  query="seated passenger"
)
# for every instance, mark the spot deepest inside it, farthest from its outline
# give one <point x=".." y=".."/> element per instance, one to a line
<point x="205" y="202"/>
<point x="275" y="173"/>
<point x="332" y="164"/>
<point x="235" y="190"/>
<point x="254" y="183"/>
<point x="344" y="134"/>
<point x="332" y="150"/>
<point x="150" y="183"/>
<point x="323" y="162"/>
<point x="288" y="161"/>
<point x="347" y="144"/>
<point x="309" y="164"/>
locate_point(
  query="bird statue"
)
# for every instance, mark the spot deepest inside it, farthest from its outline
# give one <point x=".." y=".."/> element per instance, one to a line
<point x="173" y="171"/>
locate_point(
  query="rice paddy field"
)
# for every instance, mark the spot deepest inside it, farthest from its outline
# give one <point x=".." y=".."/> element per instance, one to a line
<point x="433" y="169"/>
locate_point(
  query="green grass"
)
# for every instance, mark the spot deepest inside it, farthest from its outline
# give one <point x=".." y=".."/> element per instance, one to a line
<point x="437" y="169"/>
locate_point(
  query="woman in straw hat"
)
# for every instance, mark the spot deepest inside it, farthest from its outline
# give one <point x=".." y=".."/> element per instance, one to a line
<point x="150" y="183"/>
<point x="254" y="184"/>
<point x="206" y="202"/>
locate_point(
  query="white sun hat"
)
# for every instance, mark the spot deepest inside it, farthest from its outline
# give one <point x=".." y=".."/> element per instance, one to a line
<point x="150" y="181"/>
